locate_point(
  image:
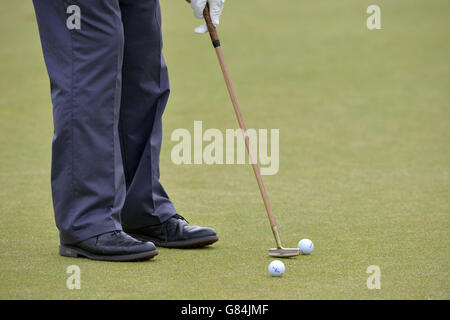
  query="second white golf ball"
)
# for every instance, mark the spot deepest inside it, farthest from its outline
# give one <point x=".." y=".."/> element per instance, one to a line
<point x="306" y="246"/>
<point x="276" y="268"/>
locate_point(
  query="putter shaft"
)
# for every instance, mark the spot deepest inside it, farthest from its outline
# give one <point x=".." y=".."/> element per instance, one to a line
<point x="279" y="251"/>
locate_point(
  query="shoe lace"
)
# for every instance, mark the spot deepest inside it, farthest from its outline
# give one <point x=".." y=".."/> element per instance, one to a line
<point x="178" y="216"/>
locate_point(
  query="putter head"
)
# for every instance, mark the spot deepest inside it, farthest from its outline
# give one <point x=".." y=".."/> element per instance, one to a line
<point x="284" y="252"/>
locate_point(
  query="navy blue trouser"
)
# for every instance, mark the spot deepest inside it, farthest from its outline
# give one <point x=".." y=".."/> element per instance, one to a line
<point x="109" y="88"/>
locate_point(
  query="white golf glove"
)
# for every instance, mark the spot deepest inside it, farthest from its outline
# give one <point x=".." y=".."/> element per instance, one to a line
<point x="215" y="7"/>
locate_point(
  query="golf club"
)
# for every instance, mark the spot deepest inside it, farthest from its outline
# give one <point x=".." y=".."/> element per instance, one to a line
<point x="279" y="251"/>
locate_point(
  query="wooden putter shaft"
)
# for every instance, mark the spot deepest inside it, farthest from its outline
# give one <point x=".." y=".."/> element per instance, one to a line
<point x="216" y="43"/>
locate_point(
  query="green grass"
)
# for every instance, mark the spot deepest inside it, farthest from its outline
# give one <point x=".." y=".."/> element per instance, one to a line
<point x="364" y="119"/>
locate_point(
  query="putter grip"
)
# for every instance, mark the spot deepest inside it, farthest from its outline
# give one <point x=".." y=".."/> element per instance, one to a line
<point x="212" y="30"/>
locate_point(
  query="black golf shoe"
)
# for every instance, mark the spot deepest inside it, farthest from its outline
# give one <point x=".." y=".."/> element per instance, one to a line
<point x="110" y="246"/>
<point x="175" y="233"/>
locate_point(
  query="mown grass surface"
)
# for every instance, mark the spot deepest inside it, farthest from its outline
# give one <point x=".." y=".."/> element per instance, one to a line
<point x="364" y="121"/>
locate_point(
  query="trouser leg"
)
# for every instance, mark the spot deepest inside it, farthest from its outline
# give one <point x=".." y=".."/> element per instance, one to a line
<point x="144" y="96"/>
<point x="84" y="66"/>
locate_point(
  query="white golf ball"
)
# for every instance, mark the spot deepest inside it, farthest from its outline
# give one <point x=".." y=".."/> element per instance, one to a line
<point x="276" y="268"/>
<point x="306" y="246"/>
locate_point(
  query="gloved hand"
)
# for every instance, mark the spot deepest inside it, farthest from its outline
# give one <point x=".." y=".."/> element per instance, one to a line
<point x="215" y="9"/>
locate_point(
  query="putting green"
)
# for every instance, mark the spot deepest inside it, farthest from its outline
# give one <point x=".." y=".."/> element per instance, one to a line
<point x="364" y="121"/>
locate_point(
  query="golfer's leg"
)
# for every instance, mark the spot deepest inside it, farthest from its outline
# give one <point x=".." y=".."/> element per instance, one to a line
<point x="144" y="96"/>
<point x="84" y="63"/>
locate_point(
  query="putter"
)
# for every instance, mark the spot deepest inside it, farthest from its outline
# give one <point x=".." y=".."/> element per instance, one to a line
<point x="279" y="251"/>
